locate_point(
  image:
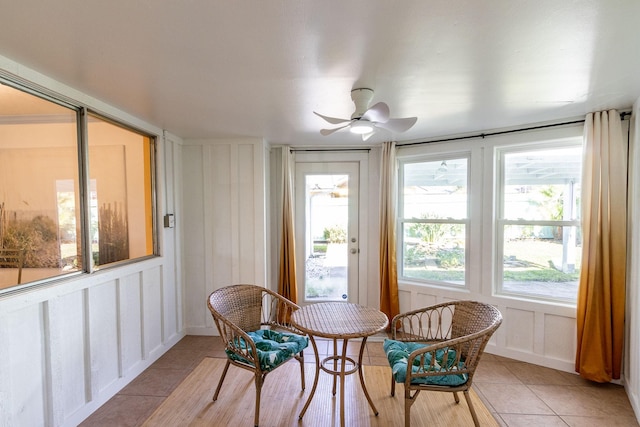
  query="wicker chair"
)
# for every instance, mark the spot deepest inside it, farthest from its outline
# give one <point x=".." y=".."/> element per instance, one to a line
<point x="438" y="348"/>
<point x="241" y="313"/>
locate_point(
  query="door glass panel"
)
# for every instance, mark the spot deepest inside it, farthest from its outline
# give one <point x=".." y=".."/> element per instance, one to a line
<point x="326" y="226"/>
<point x="327" y="243"/>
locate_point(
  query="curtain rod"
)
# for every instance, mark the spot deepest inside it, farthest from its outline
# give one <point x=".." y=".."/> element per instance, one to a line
<point x="293" y="150"/>
<point x="623" y="115"/>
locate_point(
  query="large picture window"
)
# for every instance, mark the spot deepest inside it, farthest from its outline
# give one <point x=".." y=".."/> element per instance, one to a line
<point x="120" y="194"/>
<point x="434" y="220"/>
<point x="60" y="202"/>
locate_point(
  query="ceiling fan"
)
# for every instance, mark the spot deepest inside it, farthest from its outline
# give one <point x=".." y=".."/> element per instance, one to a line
<point x="365" y="121"/>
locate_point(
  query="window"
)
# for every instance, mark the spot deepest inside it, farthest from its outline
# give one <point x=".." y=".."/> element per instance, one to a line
<point x="493" y="216"/>
<point x="44" y="173"/>
<point x="434" y="220"/>
<point x="120" y="192"/>
<point x="538" y="230"/>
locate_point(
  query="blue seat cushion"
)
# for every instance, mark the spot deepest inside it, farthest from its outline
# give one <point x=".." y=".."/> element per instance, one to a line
<point x="398" y="355"/>
<point x="273" y="347"/>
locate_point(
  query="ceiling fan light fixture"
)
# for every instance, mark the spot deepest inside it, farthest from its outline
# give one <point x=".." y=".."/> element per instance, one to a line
<point x="361" y="127"/>
<point x="367" y="120"/>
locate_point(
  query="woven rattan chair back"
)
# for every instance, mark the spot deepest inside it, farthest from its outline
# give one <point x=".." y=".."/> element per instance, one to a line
<point x="240" y="305"/>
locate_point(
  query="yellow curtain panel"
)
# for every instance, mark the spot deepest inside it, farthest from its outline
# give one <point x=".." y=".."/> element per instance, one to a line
<point x="389" y="302"/>
<point x="601" y="294"/>
<point x="287" y="286"/>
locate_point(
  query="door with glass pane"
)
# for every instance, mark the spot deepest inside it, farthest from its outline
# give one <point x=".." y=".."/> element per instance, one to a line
<point x="327" y="243"/>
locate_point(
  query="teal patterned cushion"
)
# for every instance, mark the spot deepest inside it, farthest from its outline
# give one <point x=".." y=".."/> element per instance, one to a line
<point x="273" y="347"/>
<point x="398" y="355"/>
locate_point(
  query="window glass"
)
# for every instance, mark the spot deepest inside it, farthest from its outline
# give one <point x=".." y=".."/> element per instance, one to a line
<point x="542" y="184"/>
<point x="433" y="215"/>
<point x="121" y="220"/>
<point x="42" y="234"/>
<point x="540" y="228"/>
<point x="39" y="216"/>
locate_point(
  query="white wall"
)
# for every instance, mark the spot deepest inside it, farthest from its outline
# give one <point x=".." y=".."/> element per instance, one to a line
<point x="632" y="340"/>
<point x="68" y="347"/>
<point x="224" y="221"/>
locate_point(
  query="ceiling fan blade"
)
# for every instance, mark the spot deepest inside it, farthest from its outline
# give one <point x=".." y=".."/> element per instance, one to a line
<point x="332" y="120"/>
<point x="398" y="125"/>
<point x="379" y="113"/>
<point x="366" y="136"/>
<point x="325" y="132"/>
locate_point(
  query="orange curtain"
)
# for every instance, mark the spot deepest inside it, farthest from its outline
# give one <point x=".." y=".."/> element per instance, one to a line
<point x="287" y="278"/>
<point x="601" y="295"/>
<point x="389" y="302"/>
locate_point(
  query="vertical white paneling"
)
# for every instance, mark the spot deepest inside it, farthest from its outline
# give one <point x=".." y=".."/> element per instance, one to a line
<point x="103" y="336"/>
<point x="152" y="311"/>
<point x="176" y="282"/>
<point x="65" y="320"/>
<point x="246" y="225"/>
<point x="192" y="222"/>
<point x="130" y="322"/>
<point x="170" y="272"/>
<point x="221" y="217"/>
<point x="405" y="299"/>
<point x="424" y="300"/>
<point x="23" y="393"/>
<point x="557" y="346"/>
<point x="227" y="185"/>
<point x="520" y="329"/>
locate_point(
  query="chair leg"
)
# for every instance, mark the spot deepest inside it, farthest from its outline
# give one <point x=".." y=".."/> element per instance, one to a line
<point x="259" y="382"/>
<point x="471" y="409"/>
<point x="456" y="397"/>
<point x="409" y="399"/>
<point x="393" y="387"/>
<point x="224" y="374"/>
<point x="301" y="360"/>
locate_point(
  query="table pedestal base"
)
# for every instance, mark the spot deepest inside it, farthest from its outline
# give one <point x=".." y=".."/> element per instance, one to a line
<point x="339" y="370"/>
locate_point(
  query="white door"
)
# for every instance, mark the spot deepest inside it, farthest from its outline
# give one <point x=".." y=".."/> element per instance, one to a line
<point x="327" y="241"/>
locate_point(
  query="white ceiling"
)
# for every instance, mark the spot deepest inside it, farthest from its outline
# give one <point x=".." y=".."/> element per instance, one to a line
<point x="219" y="68"/>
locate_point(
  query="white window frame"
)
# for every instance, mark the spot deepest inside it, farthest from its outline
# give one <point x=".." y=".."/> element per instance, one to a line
<point x="466" y="221"/>
<point x="501" y="221"/>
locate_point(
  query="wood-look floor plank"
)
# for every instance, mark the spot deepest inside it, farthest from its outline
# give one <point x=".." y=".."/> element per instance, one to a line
<point x="190" y="404"/>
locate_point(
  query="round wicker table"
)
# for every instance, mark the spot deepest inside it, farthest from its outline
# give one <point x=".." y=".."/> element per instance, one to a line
<point x="339" y="321"/>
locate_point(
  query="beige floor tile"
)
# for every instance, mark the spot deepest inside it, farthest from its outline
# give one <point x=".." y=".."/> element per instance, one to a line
<point x="520" y="420"/>
<point x="155" y="382"/>
<point x="593" y="400"/>
<point x="494" y="372"/>
<point x="576" y="421"/>
<point x="513" y="399"/>
<point x="124" y="411"/>
<point x="534" y="374"/>
<point x="179" y="359"/>
<point x="199" y="342"/>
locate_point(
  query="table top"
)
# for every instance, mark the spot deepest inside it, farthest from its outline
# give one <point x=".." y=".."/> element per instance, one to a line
<point x="339" y="320"/>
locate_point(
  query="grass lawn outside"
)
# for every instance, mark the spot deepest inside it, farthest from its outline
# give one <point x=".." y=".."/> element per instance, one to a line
<point x="531" y="267"/>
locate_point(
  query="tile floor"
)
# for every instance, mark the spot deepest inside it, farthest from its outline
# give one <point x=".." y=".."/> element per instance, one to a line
<point x="517" y="393"/>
